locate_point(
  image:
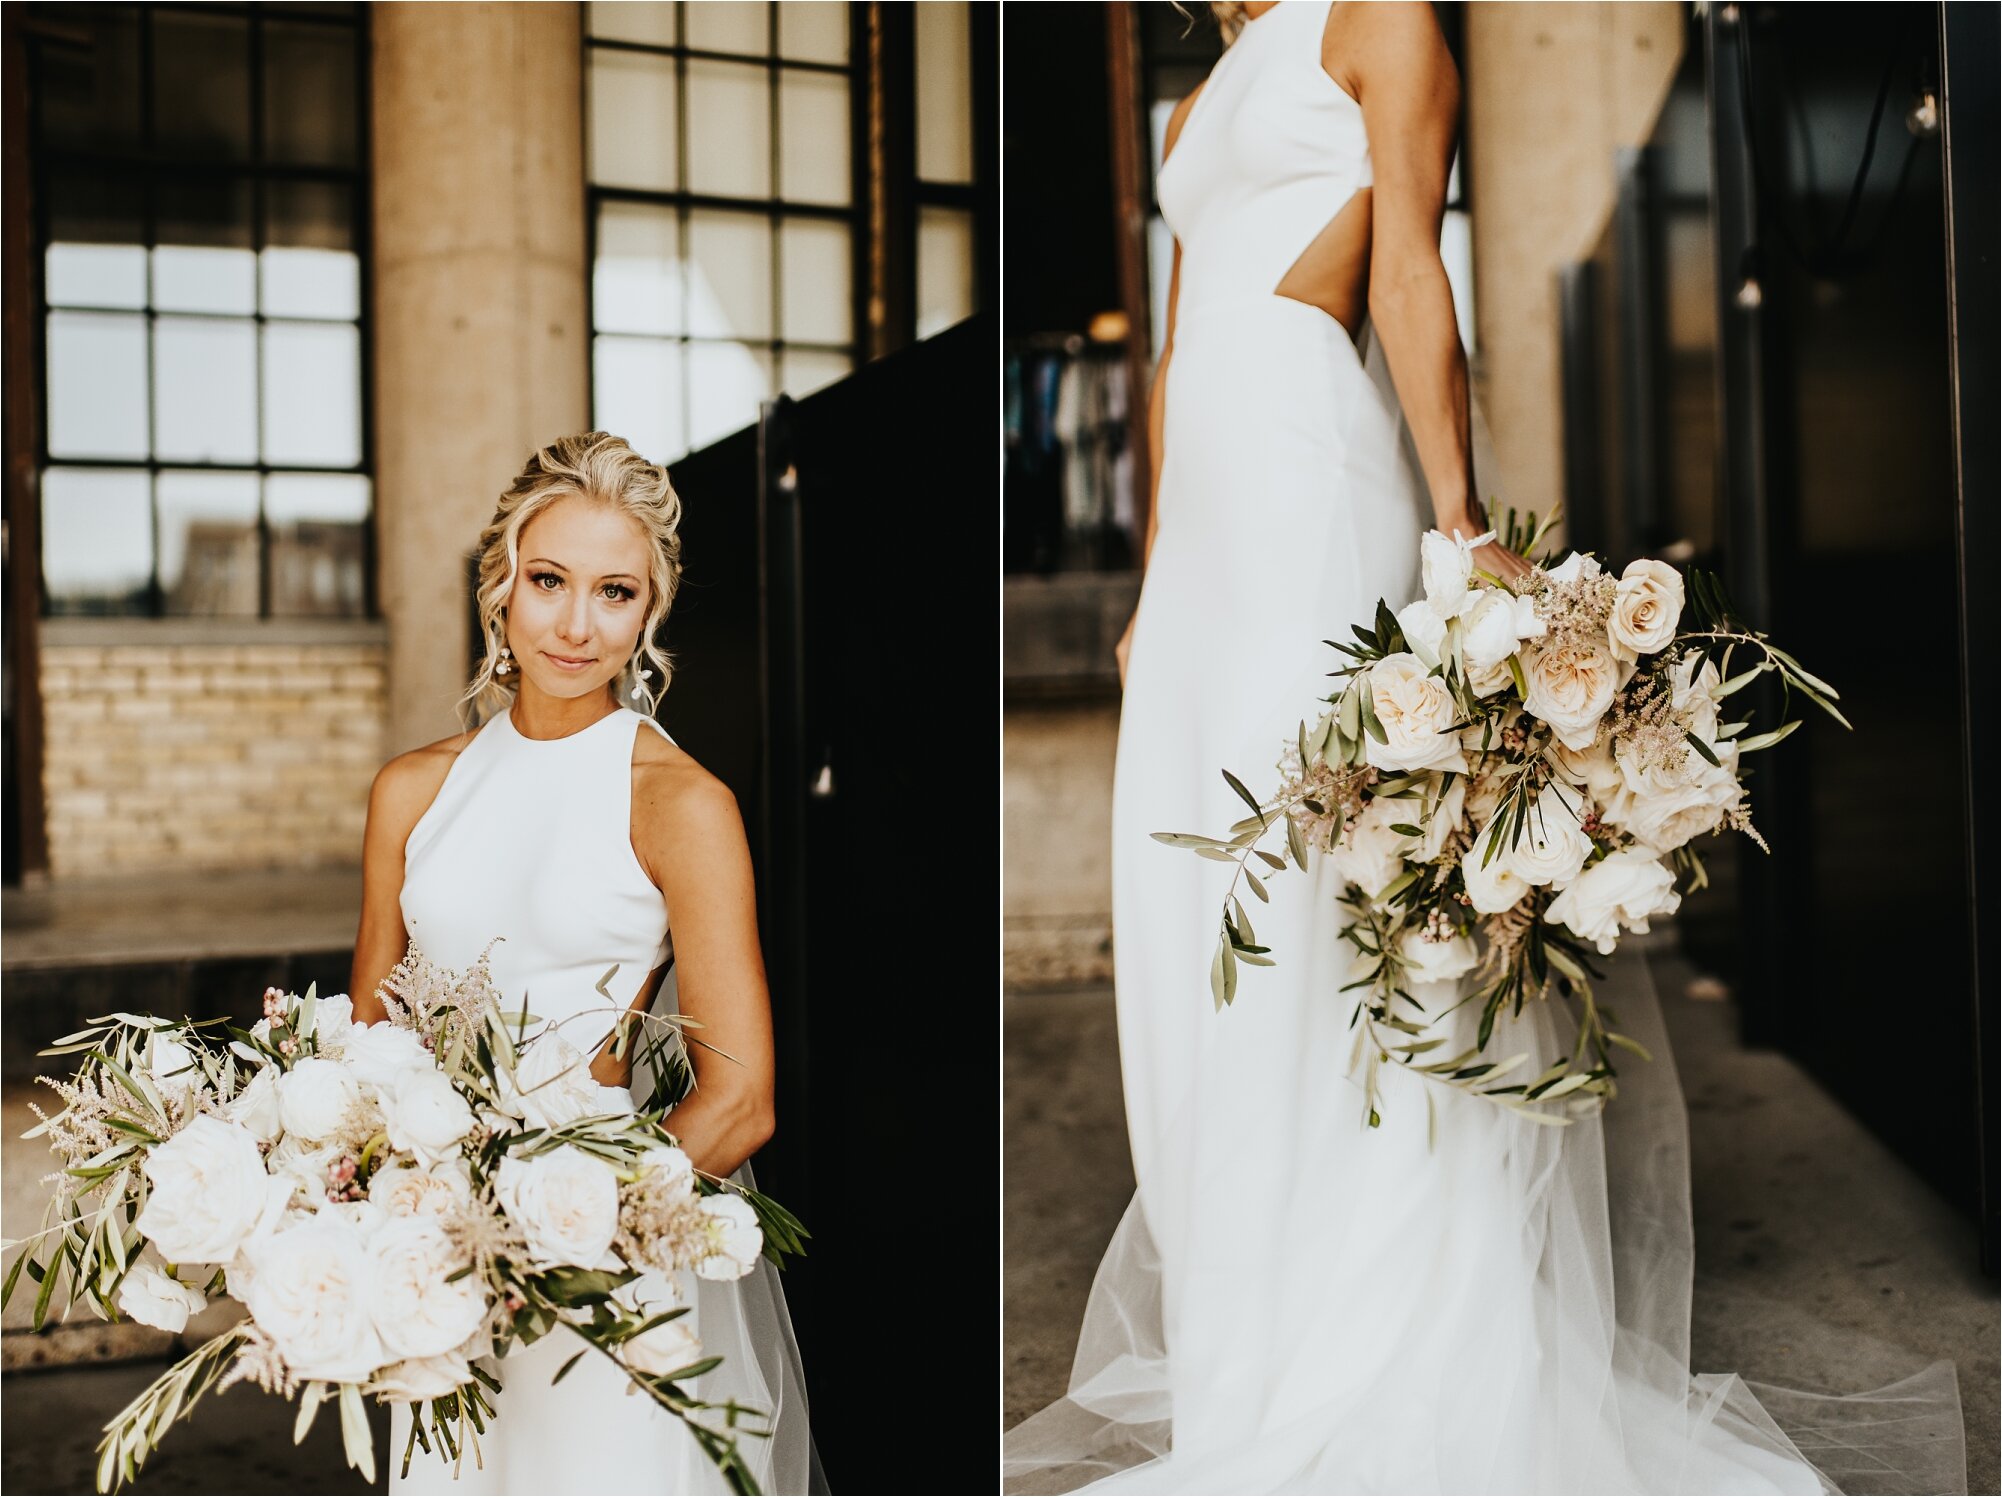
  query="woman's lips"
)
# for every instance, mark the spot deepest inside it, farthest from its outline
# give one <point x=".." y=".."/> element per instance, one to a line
<point x="567" y="663"/>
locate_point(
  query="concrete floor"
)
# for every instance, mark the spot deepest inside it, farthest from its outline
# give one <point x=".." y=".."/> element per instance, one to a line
<point x="1821" y="1261"/>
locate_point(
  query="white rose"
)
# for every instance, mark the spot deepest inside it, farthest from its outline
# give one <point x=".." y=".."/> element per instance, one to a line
<point x="376" y="1053"/>
<point x="673" y="1166"/>
<point x="1372" y="854"/>
<point x="1570" y="688"/>
<point x="1497" y="886"/>
<point x="209" y="1192"/>
<point x="1496" y="627"/>
<point x="256" y="1106"/>
<point x="1447" y="565"/>
<point x="299" y="1164"/>
<point x="438" y="1191"/>
<point x="1576" y="567"/>
<point x="311" y="1288"/>
<point x="333" y="1022"/>
<point x="1692" y="700"/>
<point x="566" y="1203"/>
<point x="1437" y="961"/>
<point x="1423" y="630"/>
<point x="1623" y="889"/>
<point x="1415" y="710"/>
<point x="315" y="1098"/>
<point x="1645" y="609"/>
<point x="739" y="1240"/>
<point x="1553" y="846"/>
<point x="615" y="1101"/>
<point x="172" y="1067"/>
<point x="1446" y="818"/>
<point x="154" y="1298"/>
<point x="1669" y="818"/>
<point x="424" y="1113"/>
<point x="417" y="1380"/>
<point x="551" y="1084"/>
<point x="418" y="1313"/>
<point x="666" y="1348"/>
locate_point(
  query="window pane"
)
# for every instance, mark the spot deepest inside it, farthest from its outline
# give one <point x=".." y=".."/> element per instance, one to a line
<point x="729" y="129"/>
<point x="636" y="280"/>
<point x="632" y="120"/>
<point x="813" y="128"/>
<point x="205" y="390"/>
<point x="945" y="93"/>
<point x="730" y="26"/>
<point x="97" y="385"/>
<point x="208" y="543"/>
<point x="632" y="21"/>
<point x="726" y="381"/>
<point x="97" y="540"/>
<point x="97" y="233"/>
<point x="318" y="525"/>
<point x="312" y="393"/>
<point x="730" y="275"/>
<point x="819" y="284"/>
<point x="638" y="395"/>
<point x="89" y="94"/>
<point x="190" y="279"/>
<point x="807" y="370"/>
<point x="201" y="85"/>
<point x="309" y="94"/>
<point x="945" y="268"/>
<point x="814" y="30"/>
<point x="309" y="262"/>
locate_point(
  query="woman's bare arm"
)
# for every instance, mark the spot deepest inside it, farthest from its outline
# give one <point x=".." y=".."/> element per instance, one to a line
<point x="404" y="788"/>
<point x="690" y="838"/>
<point x="1409" y="90"/>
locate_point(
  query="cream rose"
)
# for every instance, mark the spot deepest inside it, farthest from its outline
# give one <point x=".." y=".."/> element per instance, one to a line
<point x="566" y="1203"/>
<point x="1372" y="855"/>
<point x="1437" y="961"/>
<point x="256" y="1106"/>
<point x="416" y="1380"/>
<point x="739" y="1240"/>
<point x="1667" y="819"/>
<point x="1625" y="889"/>
<point x="419" y="1310"/>
<point x="172" y="1067"/>
<point x="209" y="1191"/>
<point x="437" y="1191"/>
<point x="1423" y="630"/>
<point x="315" y="1098"/>
<point x="1553" y="846"/>
<point x="1415" y="710"/>
<point x="551" y="1084"/>
<point x="1496" y="628"/>
<point x="673" y="1166"/>
<point x="1645" y="609"/>
<point x="311" y="1288"/>
<point x="666" y="1348"/>
<point x="1570" y="688"/>
<point x="1497" y="886"/>
<point x="154" y="1298"/>
<point x="425" y="1114"/>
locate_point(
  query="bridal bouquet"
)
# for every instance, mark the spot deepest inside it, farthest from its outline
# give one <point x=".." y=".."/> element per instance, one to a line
<point x="1508" y="778"/>
<point x="390" y="1203"/>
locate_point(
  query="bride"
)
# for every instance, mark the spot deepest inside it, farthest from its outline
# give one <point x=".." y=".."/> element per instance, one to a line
<point x="1295" y="1301"/>
<point x="568" y="826"/>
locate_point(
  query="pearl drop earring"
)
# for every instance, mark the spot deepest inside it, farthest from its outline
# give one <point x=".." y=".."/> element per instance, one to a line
<point x="505" y="663"/>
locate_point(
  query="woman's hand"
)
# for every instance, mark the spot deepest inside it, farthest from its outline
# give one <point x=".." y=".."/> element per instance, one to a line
<point x="1123" y="648"/>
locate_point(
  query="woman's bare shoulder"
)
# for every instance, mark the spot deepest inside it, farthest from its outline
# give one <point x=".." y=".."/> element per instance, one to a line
<point x="678" y="806"/>
<point x="408" y="783"/>
<point x="1177" y="117"/>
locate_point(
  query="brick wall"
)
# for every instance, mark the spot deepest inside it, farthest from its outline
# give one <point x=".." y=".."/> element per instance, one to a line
<point x="179" y="755"/>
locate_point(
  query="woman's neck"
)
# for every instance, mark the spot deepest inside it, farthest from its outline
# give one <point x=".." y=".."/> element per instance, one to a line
<point x="536" y="714"/>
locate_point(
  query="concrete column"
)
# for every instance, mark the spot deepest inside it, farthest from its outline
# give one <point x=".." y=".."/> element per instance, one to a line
<point x="1551" y="90"/>
<point x="481" y="342"/>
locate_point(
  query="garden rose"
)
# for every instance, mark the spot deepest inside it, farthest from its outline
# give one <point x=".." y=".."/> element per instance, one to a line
<point x="1496" y="627"/>
<point x="417" y="1379"/>
<point x="425" y="1114"/>
<point x="1570" y="688"/>
<point x="172" y="1068"/>
<point x="1372" y="855"/>
<point x="209" y="1192"/>
<point x="417" y="1312"/>
<point x="1416" y="710"/>
<point x="740" y="1241"/>
<point x="1423" y="630"/>
<point x="1645" y="609"/>
<point x="315" y="1098"/>
<point x="1625" y="889"/>
<point x="1496" y="887"/>
<point x="375" y="1053"/>
<point x="437" y="1191"/>
<point x="566" y="1203"/>
<point x="1437" y="961"/>
<point x="256" y="1106"/>
<point x="1446" y="563"/>
<point x="666" y="1348"/>
<point x="1553" y="846"/>
<point x="551" y="1084"/>
<point x="311" y="1288"/>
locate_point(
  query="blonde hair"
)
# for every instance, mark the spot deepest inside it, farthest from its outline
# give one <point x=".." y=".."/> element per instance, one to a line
<point x="598" y="466"/>
<point x="1228" y="15"/>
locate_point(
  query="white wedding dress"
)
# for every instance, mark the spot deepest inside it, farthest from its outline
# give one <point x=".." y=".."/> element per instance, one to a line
<point x="530" y="840"/>
<point x="1295" y="1302"/>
